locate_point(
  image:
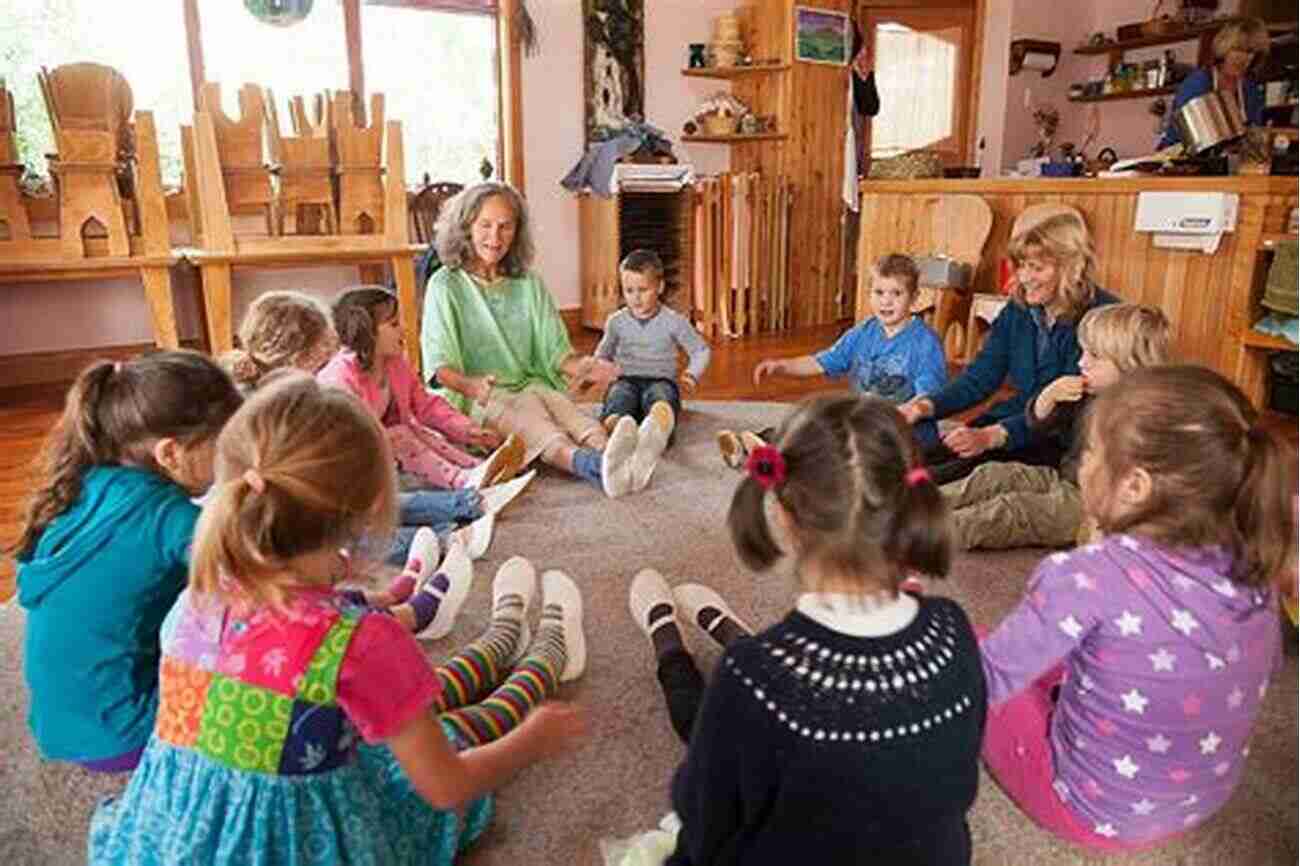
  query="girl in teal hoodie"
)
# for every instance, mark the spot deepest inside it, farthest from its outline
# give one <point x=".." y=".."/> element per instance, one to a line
<point x="104" y="550"/>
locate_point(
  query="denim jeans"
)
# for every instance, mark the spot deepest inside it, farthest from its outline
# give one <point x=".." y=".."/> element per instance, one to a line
<point x="634" y="395"/>
<point x="442" y="510"/>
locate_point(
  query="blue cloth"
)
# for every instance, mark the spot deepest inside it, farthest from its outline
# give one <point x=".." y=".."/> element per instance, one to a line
<point x="441" y="510"/>
<point x="596" y="167"/>
<point x="634" y="395"/>
<point x="96" y="588"/>
<point x="1200" y="83"/>
<point x="1010" y="352"/>
<point x="586" y="464"/>
<point x="897" y="368"/>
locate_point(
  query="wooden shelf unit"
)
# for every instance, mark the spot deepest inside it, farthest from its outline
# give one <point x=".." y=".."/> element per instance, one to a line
<point x="738" y="138"/>
<point x="1256" y="340"/>
<point x="1143" y="93"/>
<point x="1184" y="35"/>
<point x="728" y="72"/>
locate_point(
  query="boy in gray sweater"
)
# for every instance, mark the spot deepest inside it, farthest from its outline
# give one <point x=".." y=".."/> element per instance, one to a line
<point x="642" y="338"/>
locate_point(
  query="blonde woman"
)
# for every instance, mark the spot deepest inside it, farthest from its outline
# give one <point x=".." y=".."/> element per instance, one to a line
<point x="1237" y="47"/>
<point x="1032" y="342"/>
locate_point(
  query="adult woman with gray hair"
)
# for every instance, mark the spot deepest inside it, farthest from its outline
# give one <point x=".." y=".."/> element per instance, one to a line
<point x="492" y="337"/>
<point x="1237" y="47"/>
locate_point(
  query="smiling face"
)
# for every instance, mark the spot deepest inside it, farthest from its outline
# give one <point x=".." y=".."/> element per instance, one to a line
<point x="1039" y="278"/>
<point x="1237" y="61"/>
<point x="891" y="300"/>
<point x="492" y="233"/>
<point x="641" y="292"/>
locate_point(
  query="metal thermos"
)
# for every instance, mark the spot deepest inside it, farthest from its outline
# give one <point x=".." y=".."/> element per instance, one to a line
<point x="1209" y="120"/>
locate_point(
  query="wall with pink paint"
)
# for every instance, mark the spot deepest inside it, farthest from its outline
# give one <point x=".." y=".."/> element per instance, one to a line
<point x="1125" y="125"/>
<point x="42" y="317"/>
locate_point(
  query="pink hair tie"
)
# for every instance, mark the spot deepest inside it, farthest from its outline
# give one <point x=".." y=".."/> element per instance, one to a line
<point x="766" y="465"/>
<point x="919" y="475"/>
<point x="255" y="480"/>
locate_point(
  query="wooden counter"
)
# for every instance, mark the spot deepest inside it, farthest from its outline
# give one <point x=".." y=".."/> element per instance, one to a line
<point x="1211" y="300"/>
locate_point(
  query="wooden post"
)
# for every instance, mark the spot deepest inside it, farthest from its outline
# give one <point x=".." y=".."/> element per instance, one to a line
<point x="194" y="44"/>
<point x="510" y="86"/>
<point x="356" y="71"/>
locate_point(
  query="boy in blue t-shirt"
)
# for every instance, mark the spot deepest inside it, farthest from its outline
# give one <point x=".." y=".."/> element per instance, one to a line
<point x="892" y="354"/>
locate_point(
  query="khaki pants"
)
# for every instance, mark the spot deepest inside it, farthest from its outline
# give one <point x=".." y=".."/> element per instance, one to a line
<point x="1002" y="505"/>
<point x="542" y="416"/>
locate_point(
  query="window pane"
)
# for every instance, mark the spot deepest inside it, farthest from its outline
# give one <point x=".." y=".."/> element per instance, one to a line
<point x="52" y="33"/>
<point x="302" y="59"/>
<point x="916" y="73"/>
<point x="438" y="74"/>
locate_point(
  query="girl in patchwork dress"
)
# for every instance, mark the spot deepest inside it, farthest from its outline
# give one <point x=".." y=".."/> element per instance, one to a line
<point x="297" y="726"/>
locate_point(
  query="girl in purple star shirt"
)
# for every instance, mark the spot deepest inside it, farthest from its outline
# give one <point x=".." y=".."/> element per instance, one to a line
<point x="1123" y="688"/>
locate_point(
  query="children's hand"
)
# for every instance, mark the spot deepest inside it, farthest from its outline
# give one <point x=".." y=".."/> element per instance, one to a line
<point x="972" y="441"/>
<point x="1066" y="389"/>
<point x="479" y="388"/>
<point x="555" y="727"/>
<point x="917" y="409"/>
<point x="767" y="368"/>
<point x="484" y="437"/>
<point x="689" y="384"/>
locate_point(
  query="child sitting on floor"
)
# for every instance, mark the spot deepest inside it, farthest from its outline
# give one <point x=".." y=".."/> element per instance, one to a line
<point x="291" y="330"/>
<point x="1000" y="505"/>
<point x="270" y="679"/>
<point x="853" y="725"/>
<point x="642" y="339"/>
<point x="281" y="329"/>
<point x="105" y="547"/>
<point x="418" y="424"/>
<point x="1124" y="687"/>
<point x="892" y="354"/>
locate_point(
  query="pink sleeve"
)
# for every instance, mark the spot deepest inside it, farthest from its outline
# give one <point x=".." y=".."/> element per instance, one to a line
<point x="428" y="408"/>
<point x="385" y="680"/>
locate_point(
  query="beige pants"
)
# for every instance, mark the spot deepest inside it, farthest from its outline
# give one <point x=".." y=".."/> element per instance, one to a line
<point x="543" y="417"/>
<point x="1001" y="505"/>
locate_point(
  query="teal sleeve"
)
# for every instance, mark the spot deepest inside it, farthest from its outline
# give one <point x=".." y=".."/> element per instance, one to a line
<point x="176" y="521"/>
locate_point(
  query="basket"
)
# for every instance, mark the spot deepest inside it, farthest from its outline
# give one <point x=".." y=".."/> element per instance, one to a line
<point x="717" y="124"/>
<point x="1159" y="24"/>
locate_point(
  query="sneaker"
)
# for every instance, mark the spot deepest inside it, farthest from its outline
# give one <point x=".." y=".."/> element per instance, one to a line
<point x="733" y="453"/>
<point x="652" y="439"/>
<point x="450" y="584"/>
<point x="422" y="557"/>
<point x="499" y="466"/>
<point x="616" y="459"/>
<point x="694" y="598"/>
<point x="562" y="601"/>
<point x="516" y="576"/>
<point x="498" y="496"/>
<point x="650" y="600"/>
<point x="476" y="537"/>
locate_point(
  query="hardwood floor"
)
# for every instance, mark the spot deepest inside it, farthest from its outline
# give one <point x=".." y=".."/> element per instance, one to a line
<point x="27" y="414"/>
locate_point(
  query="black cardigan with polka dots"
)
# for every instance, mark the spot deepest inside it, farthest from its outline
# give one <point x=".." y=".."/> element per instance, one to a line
<point x="812" y="745"/>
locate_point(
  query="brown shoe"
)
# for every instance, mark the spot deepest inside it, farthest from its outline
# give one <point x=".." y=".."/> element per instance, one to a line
<point x="750" y="441"/>
<point x="733" y="453"/>
<point x="609" y="422"/>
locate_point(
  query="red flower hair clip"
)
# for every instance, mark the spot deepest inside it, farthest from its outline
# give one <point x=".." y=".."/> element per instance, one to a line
<point x="766" y="465"/>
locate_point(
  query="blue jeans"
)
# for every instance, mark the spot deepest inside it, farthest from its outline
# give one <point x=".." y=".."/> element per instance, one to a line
<point x="634" y="395"/>
<point x="442" y="510"/>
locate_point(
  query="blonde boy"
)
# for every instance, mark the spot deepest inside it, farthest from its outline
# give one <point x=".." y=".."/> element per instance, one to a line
<point x="1001" y="505"/>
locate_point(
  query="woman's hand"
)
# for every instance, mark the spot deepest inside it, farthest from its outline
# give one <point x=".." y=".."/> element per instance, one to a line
<point x="485" y="437"/>
<point x="973" y="441"/>
<point x="689" y="384"/>
<point x="917" y="409"/>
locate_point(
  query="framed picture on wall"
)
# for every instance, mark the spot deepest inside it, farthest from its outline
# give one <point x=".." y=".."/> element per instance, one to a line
<point x="614" y="65"/>
<point x="822" y="36"/>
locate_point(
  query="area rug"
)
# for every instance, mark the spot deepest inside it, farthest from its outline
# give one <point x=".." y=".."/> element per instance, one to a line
<point x="617" y="783"/>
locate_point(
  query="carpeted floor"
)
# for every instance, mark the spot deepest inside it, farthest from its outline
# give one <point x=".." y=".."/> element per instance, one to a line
<point x="617" y="784"/>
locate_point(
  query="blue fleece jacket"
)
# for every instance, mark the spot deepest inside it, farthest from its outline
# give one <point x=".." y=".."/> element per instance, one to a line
<point x="97" y="586"/>
<point x="1200" y="83"/>
<point x="1010" y="353"/>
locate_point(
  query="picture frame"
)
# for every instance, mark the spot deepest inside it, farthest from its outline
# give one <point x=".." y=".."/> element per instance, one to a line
<point x="822" y="36"/>
<point x="613" y="65"/>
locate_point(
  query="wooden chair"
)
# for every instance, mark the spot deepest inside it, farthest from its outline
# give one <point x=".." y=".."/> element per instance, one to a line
<point x="426" y="204"/>
<point x="959" y="228"/>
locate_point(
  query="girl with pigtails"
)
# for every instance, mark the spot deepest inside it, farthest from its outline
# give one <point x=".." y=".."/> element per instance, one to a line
<point x="852" y="725"/>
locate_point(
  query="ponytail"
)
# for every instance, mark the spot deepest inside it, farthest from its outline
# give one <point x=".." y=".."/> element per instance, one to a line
<point x="356" y="321"/>
<point x="227" y="560"/>
<point x="1263" y="517"/>
<point x="920" y="536"/>
<point x="242" y="367"/>
<point x="750" y="532"/>
<point x="114" y="414"/>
